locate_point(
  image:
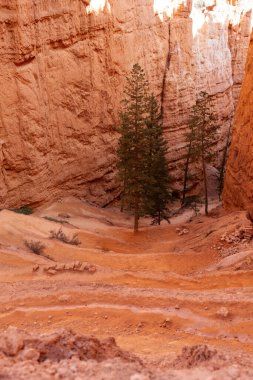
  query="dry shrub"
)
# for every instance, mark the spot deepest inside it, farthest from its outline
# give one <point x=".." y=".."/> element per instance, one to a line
<point x="35" y="246"/>
<point x="60" y="235"/>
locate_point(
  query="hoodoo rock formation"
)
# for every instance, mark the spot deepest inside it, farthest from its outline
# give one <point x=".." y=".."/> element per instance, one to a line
<point x="238" y="191"/>
<point x="62" y="70"/>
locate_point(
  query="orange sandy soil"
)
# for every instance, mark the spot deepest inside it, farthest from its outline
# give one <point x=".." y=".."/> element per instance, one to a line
<point x="141" y="280"/>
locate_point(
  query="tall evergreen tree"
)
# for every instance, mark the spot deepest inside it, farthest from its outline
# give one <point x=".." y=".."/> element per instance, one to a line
<point x="222" y="169"/>
<point x="203" y="136"/>
<point x="189" y="157"/>
<point x="157" y="177"/>
<point x="142" y="163"/>
<point x="132" y="148"/>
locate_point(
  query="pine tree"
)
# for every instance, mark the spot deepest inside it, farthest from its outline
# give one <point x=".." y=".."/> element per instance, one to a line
<point x="203" y="134"/>
<point x="132" y="148"/>
<point x="142" y="152"/>
<point x="222" y="169"/>
<point x="190" y="137"/>
<point x="157" y="177"/>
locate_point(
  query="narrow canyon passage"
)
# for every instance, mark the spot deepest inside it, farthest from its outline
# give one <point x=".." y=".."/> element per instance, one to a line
<point x="82" y="296"/>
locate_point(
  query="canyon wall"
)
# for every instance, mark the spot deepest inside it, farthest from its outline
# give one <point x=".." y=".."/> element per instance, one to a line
<point x="238" y="191"/>
<point x="210" y="59"/>
<point x="62" y="73"/>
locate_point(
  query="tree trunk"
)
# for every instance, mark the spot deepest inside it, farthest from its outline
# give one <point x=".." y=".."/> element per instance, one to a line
<point x="136" y="222"/>
<point x="136" y="216"/>
<point x="205" y="185"/>
<point x="223" y="163"/>
<point x="186" y="174"/>
<point x="122" y="205"/>
<point x="204" y="166"/>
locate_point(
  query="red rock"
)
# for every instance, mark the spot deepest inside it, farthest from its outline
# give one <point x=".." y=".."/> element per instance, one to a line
<point x="222" y="312"/>
<point x="51" y="272"/>
<point x="30" y="354"/>
<point x="62" y="75"/>
<point x="12" y="341"/>
<point x="92" y="269"/>
<point x="60" y="267"/>
<point x="64" y="298"/>
<point x="238" y="191"/>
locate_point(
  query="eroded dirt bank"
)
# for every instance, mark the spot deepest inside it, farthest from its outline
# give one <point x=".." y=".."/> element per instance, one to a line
<point x="156" y="292"/>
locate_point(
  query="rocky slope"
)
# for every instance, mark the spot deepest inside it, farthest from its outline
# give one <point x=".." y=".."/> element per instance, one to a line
<point x="62" y="70"/>
<point x="180" y="287"/>
<point x="238" y="190"/>
<point x="66" y="355"/>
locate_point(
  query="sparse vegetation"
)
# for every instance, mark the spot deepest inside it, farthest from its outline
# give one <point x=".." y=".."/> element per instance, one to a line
<point x="51" y="219"/>
<point x="60" y="235"/>
<point x="201" y="140"/>
<point x="192" y="199"/>
<point x="23" y="210"/>
<point x="35" y="246"/>
<point x="188" y="158"/>
<point x="222" y="169"/>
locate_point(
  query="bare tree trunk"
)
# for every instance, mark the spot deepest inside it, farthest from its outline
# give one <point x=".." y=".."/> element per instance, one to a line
<point x="122" y="203"/>
<point x="136" y="216"/>
<point x="205" y="184"/>
<point x="223" y="163"/>
<point x="204" y="166"/>
<point x="136" y="222"/>
<point x="186" y="174"/>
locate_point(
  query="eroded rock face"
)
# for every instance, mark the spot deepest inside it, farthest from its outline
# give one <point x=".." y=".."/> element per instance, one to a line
<point x="62" y="71"/>
<point x="210" y="59"/>
<point x="238" y="190"/>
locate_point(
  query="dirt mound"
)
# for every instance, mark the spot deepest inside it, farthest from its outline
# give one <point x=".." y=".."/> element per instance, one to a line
<point x="68" y="356"/>
<point x="63" y="344"/>
<point x="194" y="356"/>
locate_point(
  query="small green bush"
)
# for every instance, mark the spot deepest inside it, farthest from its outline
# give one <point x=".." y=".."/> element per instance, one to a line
<point x="23" y="210"/>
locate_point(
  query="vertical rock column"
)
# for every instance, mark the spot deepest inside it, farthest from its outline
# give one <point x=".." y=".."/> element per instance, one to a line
<point x="238" y="191"/>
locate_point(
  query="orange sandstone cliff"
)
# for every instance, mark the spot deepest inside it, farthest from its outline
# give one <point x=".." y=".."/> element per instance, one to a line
<point x="238" y="191"/>
<point x="63" y="65"/>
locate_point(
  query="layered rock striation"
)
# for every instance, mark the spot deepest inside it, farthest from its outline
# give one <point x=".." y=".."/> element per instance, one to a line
<point x="238" y="191"/>
<point x="62" y="71"/>
<point x="63" y="65"/>
<point x="210" y="59"/>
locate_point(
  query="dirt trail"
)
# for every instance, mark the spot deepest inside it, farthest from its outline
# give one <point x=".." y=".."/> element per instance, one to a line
<point x="155" y="292"/>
